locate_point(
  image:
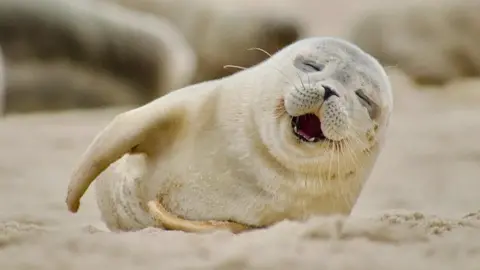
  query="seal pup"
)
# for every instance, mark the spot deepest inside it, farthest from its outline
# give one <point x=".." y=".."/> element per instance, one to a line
<point x="222" y="31"/>
<point x="292" y="137"/>
<point x="80" y="54"/>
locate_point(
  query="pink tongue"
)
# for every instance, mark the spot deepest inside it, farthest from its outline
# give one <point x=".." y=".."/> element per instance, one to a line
<point x="309" y="126"/>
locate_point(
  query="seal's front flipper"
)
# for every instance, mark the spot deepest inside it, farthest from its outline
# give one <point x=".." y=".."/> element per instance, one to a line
<point x="171" y="222"/>
<point x="127" y="131"/>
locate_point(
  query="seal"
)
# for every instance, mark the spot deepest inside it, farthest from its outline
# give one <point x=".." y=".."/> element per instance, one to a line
<point x="81" y="54"/>
<point x="290" y="138"/>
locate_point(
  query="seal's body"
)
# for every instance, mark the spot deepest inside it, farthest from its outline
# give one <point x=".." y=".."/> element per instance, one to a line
<point x="292" y="137"/>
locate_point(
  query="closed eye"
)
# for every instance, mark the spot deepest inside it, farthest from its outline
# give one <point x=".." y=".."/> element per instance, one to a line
<point x="363" y="98"/>
<point x="314" y="66"/>
<point x="306" y="65"/>
<point x="368" y="103"/>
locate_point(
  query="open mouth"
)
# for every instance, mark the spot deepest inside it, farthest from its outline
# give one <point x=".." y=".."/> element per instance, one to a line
<point x="307" y="128"/>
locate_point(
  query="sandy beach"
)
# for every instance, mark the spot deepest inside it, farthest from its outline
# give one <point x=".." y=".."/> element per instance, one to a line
<point x="419" y="209"/>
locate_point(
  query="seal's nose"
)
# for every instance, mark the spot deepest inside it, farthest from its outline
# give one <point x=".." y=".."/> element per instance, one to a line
<point x="329" y="92"/>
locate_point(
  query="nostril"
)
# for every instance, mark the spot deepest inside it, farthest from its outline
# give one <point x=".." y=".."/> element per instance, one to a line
<point x="328" y="92"/>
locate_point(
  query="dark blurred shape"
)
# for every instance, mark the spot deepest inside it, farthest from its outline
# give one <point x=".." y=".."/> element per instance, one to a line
<point x="280" y="34"/>
<point x="222" y="32"/>
<point x="433" y="43"/>
<point x="63" y="54"/>
<point x="2" y="84"/>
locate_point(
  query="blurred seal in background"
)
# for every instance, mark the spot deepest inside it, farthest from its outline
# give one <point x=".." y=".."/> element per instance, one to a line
<point x="433" y="43"/>
<point x="222" y="31"/>
<point x="64" y="54"/>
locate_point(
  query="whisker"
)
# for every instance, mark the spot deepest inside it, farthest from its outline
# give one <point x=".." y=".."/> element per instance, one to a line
<point x="343" y="146"/>
<point x="338" y="159"/>
<point x="341" y="166"/>
<point x="355" y="136"/>
<point x="356" y="128"/>
<point x="353" y="110"/>
<point x="366" y="149"/>
<point x="353" y="155"/>
<point x="261" y="50"/>
<point x="233" y="66"/>
<point x="330" y="159"/>
<point x="270" y="55"/>
<point x="355" y="164"/>
<point x="242" y="68"/>
<point x="300" y="79"/>
<point x="286" y="77"/>
<point x="354" y="159"/>
<point x="390" y="67"/>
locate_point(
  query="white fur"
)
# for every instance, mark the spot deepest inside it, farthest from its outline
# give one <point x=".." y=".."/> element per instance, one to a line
<point x="225" y="150"/>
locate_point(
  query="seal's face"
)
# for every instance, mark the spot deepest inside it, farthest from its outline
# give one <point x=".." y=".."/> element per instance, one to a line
<point x="335" y="99"/>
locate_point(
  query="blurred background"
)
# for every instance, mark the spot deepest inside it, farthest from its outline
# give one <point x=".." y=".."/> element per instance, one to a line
<point x="71" y="65"/>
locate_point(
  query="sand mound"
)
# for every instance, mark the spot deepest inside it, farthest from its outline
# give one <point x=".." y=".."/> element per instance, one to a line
<point x="391" y="241"/>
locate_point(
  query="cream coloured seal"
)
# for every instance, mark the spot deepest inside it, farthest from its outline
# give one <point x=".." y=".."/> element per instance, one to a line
<point x="292" y="137"/>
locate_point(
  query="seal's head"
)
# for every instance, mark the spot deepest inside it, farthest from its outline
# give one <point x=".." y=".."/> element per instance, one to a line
<point x="329" y="100"/>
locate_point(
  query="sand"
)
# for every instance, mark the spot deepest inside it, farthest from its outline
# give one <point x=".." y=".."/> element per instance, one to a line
<point x="418" y="210"/>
